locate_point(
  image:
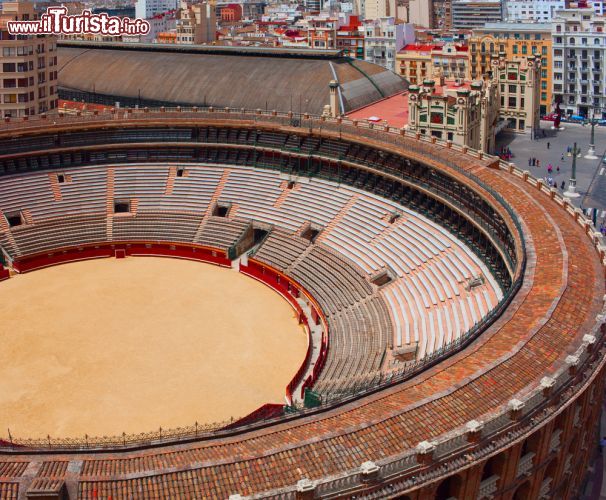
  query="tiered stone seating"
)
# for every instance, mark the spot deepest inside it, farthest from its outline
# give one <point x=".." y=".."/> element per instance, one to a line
<point x="156" y="227"/>
<point x="429" y="303"/>
<point x="280" y="250"/>
<point x="336" y="283"/>
<point x="145" y="183"/>
<point x="70" y="230"/>
<point x="221" y="232"/>
<point x="192" y="193"/>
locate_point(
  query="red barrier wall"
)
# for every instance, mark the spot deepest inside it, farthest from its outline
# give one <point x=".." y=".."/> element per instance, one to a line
<point x="266" y="411"/>
<point x="74" y="254"/>
<point x="290" y="289"/>
<point x="4" y="274"/>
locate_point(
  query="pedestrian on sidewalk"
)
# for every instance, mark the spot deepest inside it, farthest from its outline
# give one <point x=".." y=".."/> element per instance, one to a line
<point x="538" y="164"/>
<point x="548" y="144"/>
<point x="558" y="169"/>
<point x="563" y="186"/>
<point x="529" y="162"/>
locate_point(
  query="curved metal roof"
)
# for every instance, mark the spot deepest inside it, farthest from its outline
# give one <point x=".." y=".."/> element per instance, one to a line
<point x="233" y="78"/>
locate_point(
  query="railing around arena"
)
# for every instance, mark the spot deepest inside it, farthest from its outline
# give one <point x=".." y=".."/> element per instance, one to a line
<point x="496" y="428"/>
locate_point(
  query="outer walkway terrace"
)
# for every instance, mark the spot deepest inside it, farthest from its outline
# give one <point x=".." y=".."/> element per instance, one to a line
<point x="512" y="415"/>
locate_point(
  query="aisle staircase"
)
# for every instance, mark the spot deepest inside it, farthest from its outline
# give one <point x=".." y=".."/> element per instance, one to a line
<point x="109" y="204"/>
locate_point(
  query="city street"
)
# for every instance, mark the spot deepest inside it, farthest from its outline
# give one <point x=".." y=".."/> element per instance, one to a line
<point x="591" y="174"/>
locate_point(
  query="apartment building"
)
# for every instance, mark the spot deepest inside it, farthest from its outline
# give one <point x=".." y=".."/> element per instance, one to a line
<point x="418" y="62"/>
<point x="470" y="14"/>
<point x="197" y="23"/>
<point x="383" y="39"/>
<point x="145" y="9"/>
<point x="29" y="66"/>
<point x="579" y="56"/>
<point x="514" y="40"/>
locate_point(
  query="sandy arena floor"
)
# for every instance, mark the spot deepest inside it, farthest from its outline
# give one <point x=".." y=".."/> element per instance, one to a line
<point x="109" y="346"/>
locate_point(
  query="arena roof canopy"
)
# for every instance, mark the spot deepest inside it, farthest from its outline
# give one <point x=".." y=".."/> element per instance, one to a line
<point x="238" y="77"/>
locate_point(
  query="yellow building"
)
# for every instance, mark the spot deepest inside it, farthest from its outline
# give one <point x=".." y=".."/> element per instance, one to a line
<point x="514" y="40"/>
<point x="417" y="62"/>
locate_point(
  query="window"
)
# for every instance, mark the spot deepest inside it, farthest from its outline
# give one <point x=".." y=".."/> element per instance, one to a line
<point x="10" y="83"/>
<point x="14" y="218"/>
<point x="8" y="67"/>
<point x="513" y="102"/>
<point x="10" y="98"/>
<point x="515" y="49"/>
<point x="521" y="124"/>
<point x="121" y="207"/>
<point x="8" y="51"/>
<point x="513" y="89"/>
<point x="524" y="49"/>
<point x="571" y="41"/>
<point x="544" y="50"/>
<point x="437" y="117"/>
<point x="543" y="96"/>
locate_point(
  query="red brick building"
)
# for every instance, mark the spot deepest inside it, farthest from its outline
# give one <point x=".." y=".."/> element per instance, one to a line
<point x="232" y="12"/>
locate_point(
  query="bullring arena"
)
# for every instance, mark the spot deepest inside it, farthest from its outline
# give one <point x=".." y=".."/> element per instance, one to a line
<point x="441" y="311"/>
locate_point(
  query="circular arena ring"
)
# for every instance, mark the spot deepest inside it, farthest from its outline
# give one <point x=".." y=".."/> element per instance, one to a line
<point x="454" y="305"/>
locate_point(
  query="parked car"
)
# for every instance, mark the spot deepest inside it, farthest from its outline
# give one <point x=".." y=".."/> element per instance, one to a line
<point x="551" y="117"/>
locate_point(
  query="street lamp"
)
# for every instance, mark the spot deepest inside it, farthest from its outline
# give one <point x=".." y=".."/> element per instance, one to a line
<point x="591" y="152"/>
<point x="572" y="183"/>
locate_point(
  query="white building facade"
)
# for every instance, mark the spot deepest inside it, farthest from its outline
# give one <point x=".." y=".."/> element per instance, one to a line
<point x="144" y="9"/>
<point x="540" y="11"/>
<point x="579" y="57"/>
<point x="383" y="38"/>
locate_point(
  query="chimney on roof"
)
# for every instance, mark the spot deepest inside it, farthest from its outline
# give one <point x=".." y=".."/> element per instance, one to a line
<point x="334" y="101"/>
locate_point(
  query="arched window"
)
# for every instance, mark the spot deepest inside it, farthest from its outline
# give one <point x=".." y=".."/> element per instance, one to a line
<point x="596" y="41"/>
<point x="449" y="488"/>
<point x="572" y="41"/>
<point x="493" y="467"/>
<point x="559" y="28"/>
<point x="483" y="48"/>
<point x="492" y="47"/>
<point x="523" y="492"/>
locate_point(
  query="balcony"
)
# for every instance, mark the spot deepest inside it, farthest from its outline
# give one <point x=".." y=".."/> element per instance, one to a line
<point x="545" y="488"/>
<point x="525" y="464"/>
<point x="488" y="487"/>
<point x="554" y="442"/>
